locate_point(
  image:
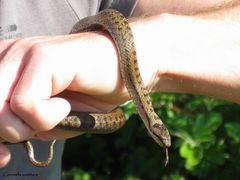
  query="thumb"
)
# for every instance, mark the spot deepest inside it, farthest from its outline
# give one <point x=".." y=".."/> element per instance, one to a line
<point x="4" y="155"/>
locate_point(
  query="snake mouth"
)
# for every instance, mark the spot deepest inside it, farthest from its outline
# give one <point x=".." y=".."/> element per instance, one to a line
<point x="166" y="142"/>
<point x="161" y="137"/>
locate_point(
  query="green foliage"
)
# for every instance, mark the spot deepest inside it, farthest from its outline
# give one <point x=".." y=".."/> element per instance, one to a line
<point x="233" y="129"/>
<point x="205" y="144"/>
<point x="76" y="174"/>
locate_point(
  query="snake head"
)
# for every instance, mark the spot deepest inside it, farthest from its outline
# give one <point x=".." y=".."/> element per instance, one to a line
<point x="161" y="135"/>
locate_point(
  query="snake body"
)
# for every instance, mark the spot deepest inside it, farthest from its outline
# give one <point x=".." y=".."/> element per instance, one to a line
<point x="116" y="25"/>
<point x="94" y="122"/>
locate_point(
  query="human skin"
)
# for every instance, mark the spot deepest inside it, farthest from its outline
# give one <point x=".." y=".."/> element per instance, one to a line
<point x="43" y="78"/>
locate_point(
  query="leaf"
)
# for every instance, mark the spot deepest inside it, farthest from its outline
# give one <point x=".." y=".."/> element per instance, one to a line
<point x="216" y="154"/>
<point x="130" y="177"/>
<point x="171" y="114"/>
<point x="193" y="155"/>
<point x="184" y="134"/>
<point x="233" y="131"/>
<point x="76" y="174"/>
<point x="174" y="177"/>
<point x="205" y="125"/>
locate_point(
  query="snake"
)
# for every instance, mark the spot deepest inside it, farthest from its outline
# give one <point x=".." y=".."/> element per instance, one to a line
<point x="117" y="26"/>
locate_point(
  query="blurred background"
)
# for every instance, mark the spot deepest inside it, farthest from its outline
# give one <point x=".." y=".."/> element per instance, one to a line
<point x="205" y="144"/>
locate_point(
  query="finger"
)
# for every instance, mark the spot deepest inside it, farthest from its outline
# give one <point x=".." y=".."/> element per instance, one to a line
<point x="10" y="70"/>
<point x="42" y="115"/>
<point x="86" y="103"/>
<point x="32" y="98"/>
<point x="13" y="129"/>
<point x="4" y="45"/>
<point x="57" y="134"/>
<point x="5" y="155"/>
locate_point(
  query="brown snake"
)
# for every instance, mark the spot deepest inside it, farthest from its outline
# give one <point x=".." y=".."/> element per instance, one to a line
<point x="118" y="28"/>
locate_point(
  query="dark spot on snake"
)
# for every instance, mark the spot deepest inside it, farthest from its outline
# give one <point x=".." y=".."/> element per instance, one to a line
<point x="161" y="127"/>
<point x="156" y="117"/>
<point x="137" y="75"/>
<point x="84" y="121"/>
<point x="143" y="89"/>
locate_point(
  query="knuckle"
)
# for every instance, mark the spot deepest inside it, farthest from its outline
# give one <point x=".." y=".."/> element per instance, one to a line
<point x="20" y="44"/>
<point x="30" y="113"/>
<point x="17" y="104"/>
<point x="36" y="48"/>
<point x="33" y="47"/>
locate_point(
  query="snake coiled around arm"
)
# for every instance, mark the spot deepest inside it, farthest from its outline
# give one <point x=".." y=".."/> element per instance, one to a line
<point x="117" y="26"/>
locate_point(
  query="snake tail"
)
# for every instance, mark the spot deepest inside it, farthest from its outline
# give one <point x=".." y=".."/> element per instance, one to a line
<point x="31" y="155"/>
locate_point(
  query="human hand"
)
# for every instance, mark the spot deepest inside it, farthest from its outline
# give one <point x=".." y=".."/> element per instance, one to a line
<point x="43" y="78"/>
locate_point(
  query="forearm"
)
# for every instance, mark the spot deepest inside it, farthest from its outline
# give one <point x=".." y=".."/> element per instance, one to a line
<point x="181" y="54"/>
<point x="193" y="55"/>
<point x="175" y="54"/>
<point x="183" y="7"/>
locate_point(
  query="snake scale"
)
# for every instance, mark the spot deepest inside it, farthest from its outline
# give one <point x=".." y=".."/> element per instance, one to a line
<point x="116" y="25"/>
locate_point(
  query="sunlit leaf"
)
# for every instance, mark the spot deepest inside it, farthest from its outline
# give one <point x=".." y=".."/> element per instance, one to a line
<point x="193" y="155"/>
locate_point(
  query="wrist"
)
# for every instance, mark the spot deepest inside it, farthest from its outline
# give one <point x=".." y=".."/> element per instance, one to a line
<point x="150" y="49"/>
<point x="97" y="68"/>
